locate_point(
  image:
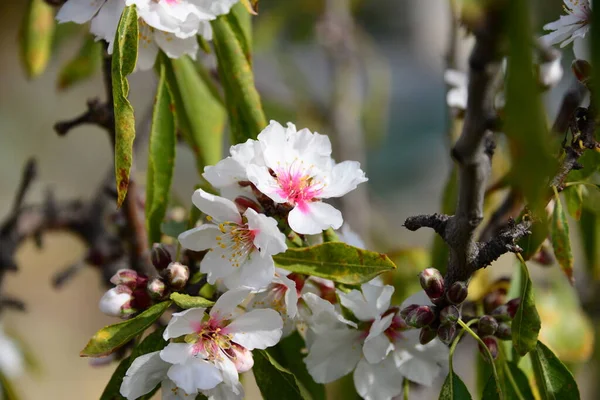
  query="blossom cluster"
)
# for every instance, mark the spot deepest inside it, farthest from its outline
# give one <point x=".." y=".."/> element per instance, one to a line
<point x="168" y="25"/>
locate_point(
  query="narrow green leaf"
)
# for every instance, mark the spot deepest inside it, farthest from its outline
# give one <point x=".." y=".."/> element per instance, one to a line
<point x="83" y="66"/>
<point x="552" y="377"/>
<point x="513" y="381"/>
<point x="241" y="24"/>
<point x="337" y="261"/>
<point x="274" y="381"/>
<point x="187" y="301"/>
<point x="589" y="227"/>
<point x="287" y="353"/>
<point x="235" y="71"/>
<point x="153" y="342"/>
<point x="124" y="59"/>
<point x="161" y="159"/>
<point x="526" y="323"/>
<point x="110" y="338"/>
<point x="454" y="388"/>
<point x="200" y="115"/>
<point x="36" y="35"/>
<point x="574" y="199"/>
<point x="561" y="241"/>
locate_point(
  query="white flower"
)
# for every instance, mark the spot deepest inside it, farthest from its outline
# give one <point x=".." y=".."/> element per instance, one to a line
<point x="298" y="170"/>
<point x="241" y="246"/>
<point x="571" y="27"/>
<point x="116" y="302"/>
<point x="458" y="94"/>
<point x="222" y="340"/>
<point x="12" y="362"/>
<point x="551" y="72"/>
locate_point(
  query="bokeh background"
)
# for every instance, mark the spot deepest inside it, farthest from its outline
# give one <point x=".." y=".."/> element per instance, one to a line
<point x="393" y="102"/>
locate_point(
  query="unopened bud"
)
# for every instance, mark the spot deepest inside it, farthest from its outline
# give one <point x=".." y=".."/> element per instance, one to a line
<point x="177" y="275"/>
<point x="493" y="299"/>
<point x="420" y="317"/>
<point x="500" y="313"/>
<point x="492" y="344"/>
<point x="582" y="70"/>
<point x="407" y="310"/>
<point x="161" y="257"/>
<point x="243" y="203"/>
<point x="446" y="333"/>
<point x="242" y="358"/>
<point x="127" y="277"/>
<point x="487" y="326"/>
<point x="427" y="335"/>
<point x="449" y="315"/>
<point x="457" y="293"/>
<point x="432" y="282"/>
<point x="504" y="331"/>
<point x="513" y="306"/>
<point x="116" y="302"/>
<point x="157" y="289"/>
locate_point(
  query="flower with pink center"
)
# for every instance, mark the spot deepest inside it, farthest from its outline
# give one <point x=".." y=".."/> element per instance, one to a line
<point x="572" y="27"/>
<point x="240" y="246"/>
<point x="295" y="168"/>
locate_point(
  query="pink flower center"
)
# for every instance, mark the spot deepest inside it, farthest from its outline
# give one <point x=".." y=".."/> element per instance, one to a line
<point x="298" y="184"/>
<point x="210" y="339"/>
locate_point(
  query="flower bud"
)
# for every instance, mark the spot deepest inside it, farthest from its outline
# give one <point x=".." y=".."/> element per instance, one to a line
<point x="407" y="310"/>
<point x="177" y="275"/>
<point x="457" y="293"/>
<point x="427" y="335"/>
<point x="449" y="315"/>
<point x="487" y="326"/>
<point x="127" y="277"/>
<point x="157" y="289"/>
<point x="432" y="282"/>
<point x="446" y="333"/>
<point x="242" y="358"/>
<point x="243" y="203"/>
<point x="582" y="70"/>
<point x="116" y="302"/>
<point x="504" y="331"/>
<point x="161" y="257"/>
<point x="420" y="317"/>
<point x="513" y="306"/>
<point x="500" y="313"/>
<point x="493" y="300"/>
<point x="492" y="344"/>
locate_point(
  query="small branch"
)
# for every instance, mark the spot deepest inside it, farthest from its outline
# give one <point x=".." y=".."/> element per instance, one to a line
<point x="98" y="114"/>
<point x="504" y="242"/>
<point x="436" y="221"/>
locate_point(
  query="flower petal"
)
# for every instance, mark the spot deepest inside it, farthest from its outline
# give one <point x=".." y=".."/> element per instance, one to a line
<point x="368" y="304"/>
<point x="345" y="177"/>
<point x="264" y="182"/>
<point x="225" y="307"/>
<point x="380" y="381"/>
<point x="177" y="353"/>
<point x="170" y="391"/>
<point x="104" y="25"/>
<point x="255" y="273"/>
<point x="144" y="373"/>
<point x="216" y="264"/>
<point x="197" y="374"/>
<point x="314" y="217"/>
<point x="257" y="329"/>
<point x="333" y="355"/>
<point x="377" y="346"/>
<point x="176" y="47"/>
<point x="184" y="322"/>
<point x="79" y="11"/>
<point x="219" y="208"/>
<point x="147" y="48"/>
<point x="267" y="237"/>
<point x="201" y="238"/>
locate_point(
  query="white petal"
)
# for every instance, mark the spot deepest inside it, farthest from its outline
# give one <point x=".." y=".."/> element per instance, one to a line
<point x="368" y="304"/>
<point x="12" y="362"/>
<point x="455" y="78"/>
<point x="257" y="329"/>
<point x="291" y="295"/>
<point x="113" y="302"/>
<point x="267" y="237"/>
<point x="255" y="273"/>
<point x="348" y="236"/>
<point x="195" y="375"/>
<point x="314" y="218"/>
<point x="225" y="307"/>
<point x="177" y="353"/>
<point x="79" y="11"/>
<point x="147" y="48"/>
<point x="175" y="47"/>
<point x="219" y="208"/>
<point x="551" y="72"/>
<point x="201" y="238"/>
<point x="324" y="316"/>
<point x="216" y="264"/>
<point x="184" y="322"/>
<point x="377" y="346"/>
<point x="225" y="392"/>
<point x="205" y="30"/>
<point x="345" y="177"/>
<point x="380" y="381"/>
<point x="229" y="372"/>
<point x="420" y="298"/>
<point x="264" y="182"/>
<point x="421" y="371"/>
<point x="226" y="172"/>
<point x="170" y="391"/>
<point x="104" y="25"/>
<point x="272" y="140"/>
<point x="333" y="355"/>
<point x="581" y="48"/>
<point x="378" y="296"/>
<point x="144" y="373"/>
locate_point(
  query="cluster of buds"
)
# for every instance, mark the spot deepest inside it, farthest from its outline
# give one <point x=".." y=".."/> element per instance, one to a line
<point x="174" y="275"/>
<point x="497" y="326"/>
<point x="128" y="297"/>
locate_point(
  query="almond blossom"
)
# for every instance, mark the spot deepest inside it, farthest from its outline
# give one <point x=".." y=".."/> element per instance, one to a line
<point x="572" y="27"/>
<point x="296" y="168"/>
<point x="240" y="246"/>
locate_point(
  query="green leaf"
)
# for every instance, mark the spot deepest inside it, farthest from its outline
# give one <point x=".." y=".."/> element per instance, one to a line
<point x="7" y="390"/>
<point x="83" y="66"/>
<point x="589" y="227"/>
<point x="561" y="241"/>
<point x="110" y="338"/>
<point x="187" y="301"/>
<point x="124" y="59"/>
<point x="526" y="323"/>
<point x="337" y="261"/>
<point x="241" y="24"/>
<point x="552" y="377"/>
<point x="287" y="353"/>
<point x="454" y="388"/>
<point x="513" y="381"/>
<point x="246" y="115"/>
<point x="574" y="199"/>
<point x="200" y="114"/>
<point x="274" y="381"/>
<point x="153" y="342"/>
<point x="161" y="159"/>
<point x="35" y="39"/>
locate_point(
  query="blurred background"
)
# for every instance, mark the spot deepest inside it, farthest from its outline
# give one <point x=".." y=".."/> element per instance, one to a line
<point x="373" y="80"/>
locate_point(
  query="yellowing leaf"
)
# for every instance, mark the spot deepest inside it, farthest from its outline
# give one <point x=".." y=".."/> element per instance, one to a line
<point x="187" y="301"/>
<point x="560" y="238"/>
<point x="37" y="31"/>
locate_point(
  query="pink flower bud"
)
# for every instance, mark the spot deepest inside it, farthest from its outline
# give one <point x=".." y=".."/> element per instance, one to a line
<point x="487" y="326"/>
<point x="177" y="275"/>
<point x="457" y="293"/>
<point x="449" y="315"/>
<point x="157" y="289"/>
<point x="432" y="282"/>
<point x="500" y="313"/>
<point x="161" y="257"/>
<point x="513" y="306"/>
<point x="492" y="344"/>
<point x="420" y="317"/>
<point x="127" y="277"/>
<point x="116" y="302"/>
<point x="407" y="310"/>
<point x="446" y="333"/>
<point x="427" y="335"/>
<point x="504" y="331"/>
<point x="242" y="358"/>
